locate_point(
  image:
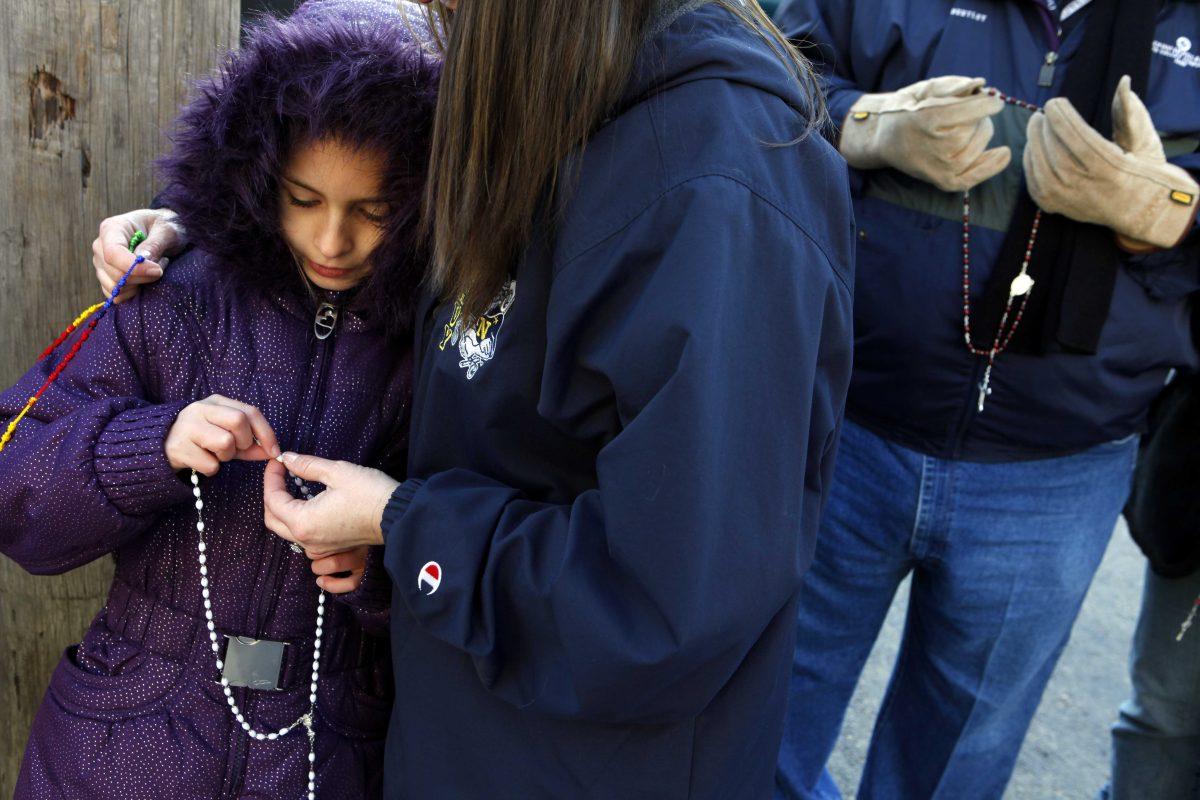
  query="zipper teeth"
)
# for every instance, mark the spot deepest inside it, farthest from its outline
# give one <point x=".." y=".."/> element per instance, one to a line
<point x="303" y="439"/>
<point x="265" y="607"/>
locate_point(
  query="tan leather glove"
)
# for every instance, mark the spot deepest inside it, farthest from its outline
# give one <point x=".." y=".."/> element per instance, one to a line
<point x="936" y="130"/>
<point x="1126" y="185"/>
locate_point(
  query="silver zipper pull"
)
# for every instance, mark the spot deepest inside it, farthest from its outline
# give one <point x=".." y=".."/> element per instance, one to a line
<point x="1046" y="76"/>
<point x="325" y="321"/>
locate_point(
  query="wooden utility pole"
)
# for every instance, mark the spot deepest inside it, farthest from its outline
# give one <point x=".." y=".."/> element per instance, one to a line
<point x="86" y="93"/>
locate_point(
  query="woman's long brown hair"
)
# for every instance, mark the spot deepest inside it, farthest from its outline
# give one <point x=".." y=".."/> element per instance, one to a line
<point x="525" y="83"/>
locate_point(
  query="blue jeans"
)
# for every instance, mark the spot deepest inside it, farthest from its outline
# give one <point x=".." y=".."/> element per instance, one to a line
<point x="1001" y="557"/>
<point x="1156" y="739"/>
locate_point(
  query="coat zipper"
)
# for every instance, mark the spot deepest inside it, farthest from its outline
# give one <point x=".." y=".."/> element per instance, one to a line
<point x="324" y="325"/>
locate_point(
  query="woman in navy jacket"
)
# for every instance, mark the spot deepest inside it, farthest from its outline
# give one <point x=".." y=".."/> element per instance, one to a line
<point x="619" y="456"/>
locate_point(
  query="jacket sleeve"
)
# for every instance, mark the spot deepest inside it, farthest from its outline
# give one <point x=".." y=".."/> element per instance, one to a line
<point x="85" y="469"/>
<point x="715" y="336"/>
<point x="848" y="43"/>
<point x="1172" y="273"/>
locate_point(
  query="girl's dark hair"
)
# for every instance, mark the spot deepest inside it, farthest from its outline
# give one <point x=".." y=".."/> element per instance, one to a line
<point x="368" y="83"/>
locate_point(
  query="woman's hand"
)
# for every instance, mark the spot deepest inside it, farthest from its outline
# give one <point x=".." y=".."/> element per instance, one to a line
<point x="338" y="573"/>
<point x="110" y="250"/>
<point x="344" y="516"/>
<point x="217" y="429"/>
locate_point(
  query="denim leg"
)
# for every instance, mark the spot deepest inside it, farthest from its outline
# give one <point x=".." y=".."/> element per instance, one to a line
<point x="993" y="600"/>
<point x="860" y="559"/>
<point x="1156" y="739"/>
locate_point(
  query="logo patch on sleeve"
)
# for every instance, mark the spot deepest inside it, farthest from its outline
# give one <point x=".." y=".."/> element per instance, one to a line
<point x="429" y="578"/>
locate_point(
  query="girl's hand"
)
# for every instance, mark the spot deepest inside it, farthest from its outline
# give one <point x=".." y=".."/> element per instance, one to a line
<point x="218" y="429"/>
<point x="338" y="573"/>
<point x="346" y="515"/>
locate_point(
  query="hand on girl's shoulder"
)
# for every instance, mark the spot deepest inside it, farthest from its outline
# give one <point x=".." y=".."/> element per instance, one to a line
<point x="112" y="258"/>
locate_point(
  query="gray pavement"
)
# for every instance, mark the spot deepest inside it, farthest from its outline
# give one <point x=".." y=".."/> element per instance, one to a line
<point x="1067" y="750"/>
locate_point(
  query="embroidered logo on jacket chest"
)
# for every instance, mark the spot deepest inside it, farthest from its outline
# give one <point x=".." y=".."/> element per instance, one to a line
<point x="968" y="13"/>
<point x="478" y="337"/>
<point x="1181" y="52"/>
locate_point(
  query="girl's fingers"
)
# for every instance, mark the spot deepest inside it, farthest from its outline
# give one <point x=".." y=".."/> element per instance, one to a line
<point x="216" y="440"/>
<point x="231" y="419"/>
<point x="253" y="453"/>
<point x="199" y="459"/>
<point x="350" y="561"/>
<point x="246" y="422"/>
<point x="263" y="433"/>
<point x="340" y="585"/>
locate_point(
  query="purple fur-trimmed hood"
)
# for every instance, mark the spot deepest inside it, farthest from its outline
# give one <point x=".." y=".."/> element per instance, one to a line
<point x="356" y="70"/>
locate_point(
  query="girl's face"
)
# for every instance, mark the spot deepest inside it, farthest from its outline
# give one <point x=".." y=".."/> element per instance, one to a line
<point x="331" y="211"/>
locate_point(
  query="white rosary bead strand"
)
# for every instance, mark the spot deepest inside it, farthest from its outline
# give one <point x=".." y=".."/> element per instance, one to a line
<point x="305" y="720"/>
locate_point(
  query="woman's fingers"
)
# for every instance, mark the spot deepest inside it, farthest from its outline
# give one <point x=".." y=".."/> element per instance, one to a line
<point x="111" y="257"/>
<point x="164" y="237"/>
<point x="274" y="525"/>
<point x="281" y="511"/>
<point x="118" y="259"/>
<point x="345" y="515"/>
<point x="312" y="468"/>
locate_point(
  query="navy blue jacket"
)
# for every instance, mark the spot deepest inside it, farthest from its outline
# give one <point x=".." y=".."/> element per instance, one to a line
<point x="620" y="466"/>
<point x="914" y="380"/>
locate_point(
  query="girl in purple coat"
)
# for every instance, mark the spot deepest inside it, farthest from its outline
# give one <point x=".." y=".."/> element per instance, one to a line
<point x="296" y="174"/>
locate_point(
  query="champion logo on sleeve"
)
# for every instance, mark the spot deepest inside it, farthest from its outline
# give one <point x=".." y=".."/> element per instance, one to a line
<point x="429" y="578"/>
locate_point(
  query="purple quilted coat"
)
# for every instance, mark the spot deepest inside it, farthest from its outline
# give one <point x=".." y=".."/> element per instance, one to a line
<point x="135" y="710"/>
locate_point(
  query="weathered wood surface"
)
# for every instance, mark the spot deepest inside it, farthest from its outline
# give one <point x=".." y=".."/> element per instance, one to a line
<point x="86" y="92"/>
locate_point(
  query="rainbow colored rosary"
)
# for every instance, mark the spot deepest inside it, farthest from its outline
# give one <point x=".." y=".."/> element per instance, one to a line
<point x="96" y="313"/>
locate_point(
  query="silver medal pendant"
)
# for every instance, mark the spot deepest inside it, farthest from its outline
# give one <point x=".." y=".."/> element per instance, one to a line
<point x="1020" y="286"/>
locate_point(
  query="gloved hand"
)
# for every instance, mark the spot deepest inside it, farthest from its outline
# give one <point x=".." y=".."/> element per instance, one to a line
<point x="936" y="130"/>
<point x="1126" y="185"/>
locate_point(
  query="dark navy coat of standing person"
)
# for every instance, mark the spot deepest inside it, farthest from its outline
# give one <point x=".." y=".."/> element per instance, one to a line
<point x="913" y="378"/>
<point x="619" y="467"/>
<point x="135" y="710"/>
<point x="1001" y="514"/>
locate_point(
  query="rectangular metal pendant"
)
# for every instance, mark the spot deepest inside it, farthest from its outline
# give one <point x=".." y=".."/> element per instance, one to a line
<point x="1046" y="75"/>
<point x="254" y="663"/>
